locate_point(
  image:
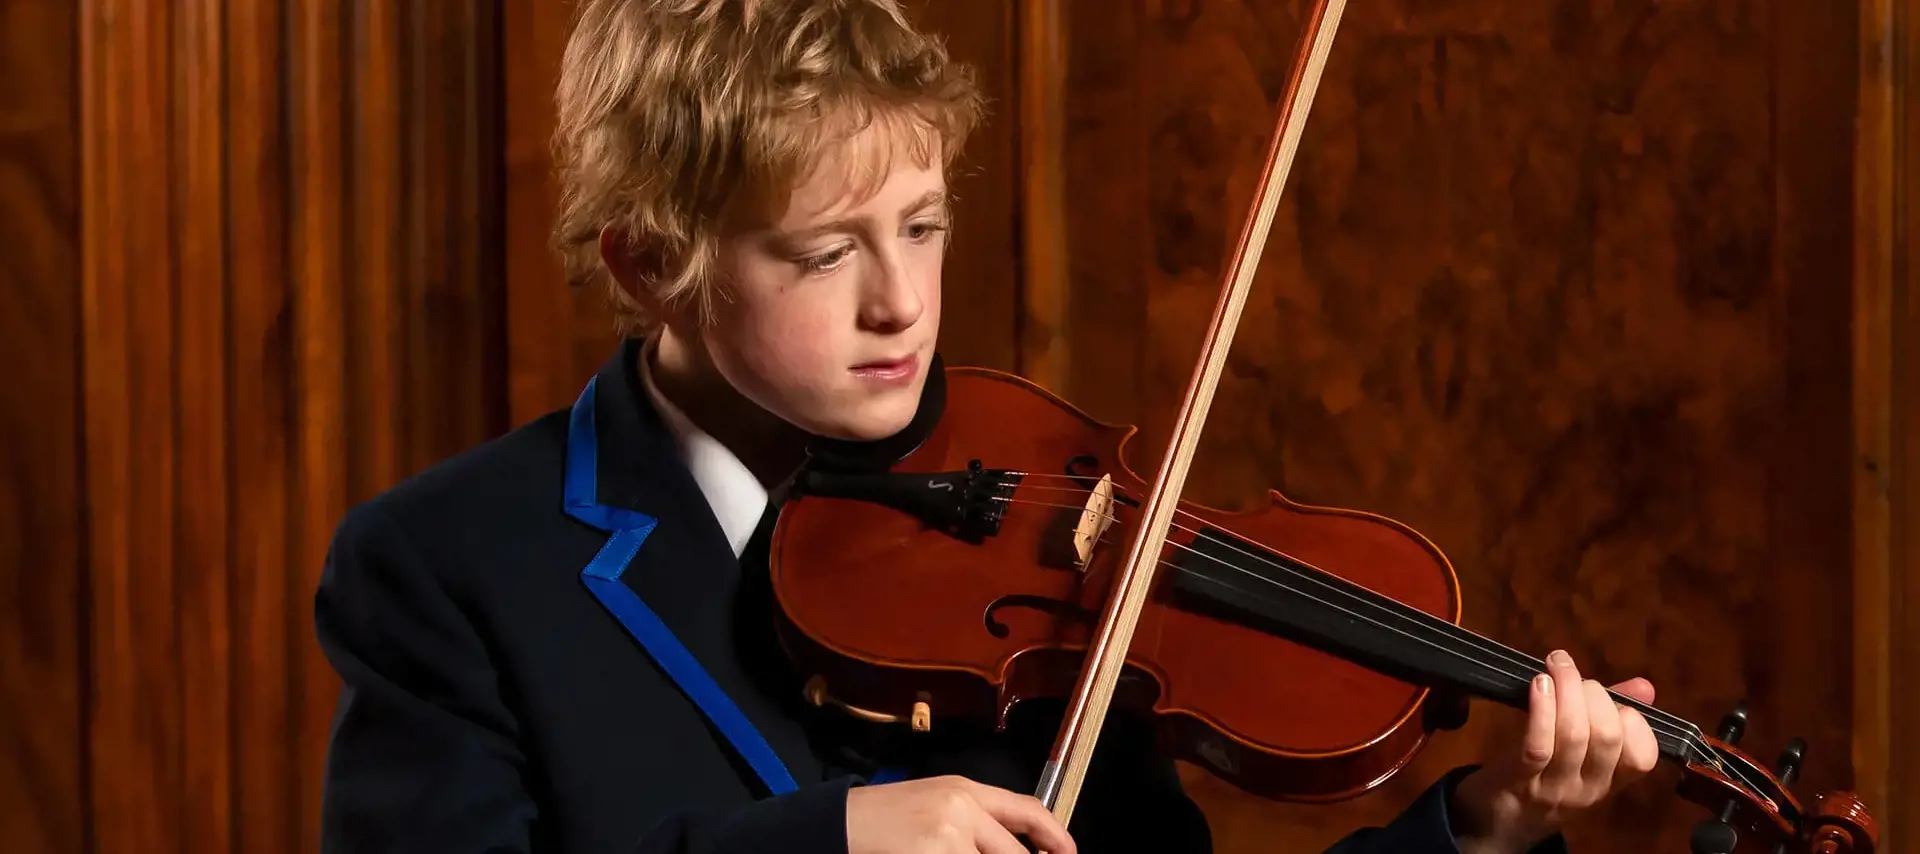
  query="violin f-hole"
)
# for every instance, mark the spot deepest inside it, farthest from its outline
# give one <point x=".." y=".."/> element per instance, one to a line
<point x="1039" y="603"/>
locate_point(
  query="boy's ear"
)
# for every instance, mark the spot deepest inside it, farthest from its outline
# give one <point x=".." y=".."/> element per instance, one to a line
<point x="632" y="266"/>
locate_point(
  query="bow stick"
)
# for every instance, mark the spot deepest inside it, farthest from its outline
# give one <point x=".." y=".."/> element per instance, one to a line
<point x="1066" y="768"/>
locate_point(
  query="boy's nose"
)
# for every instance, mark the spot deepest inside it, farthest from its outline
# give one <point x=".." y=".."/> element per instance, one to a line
<point x="892" y="300"/>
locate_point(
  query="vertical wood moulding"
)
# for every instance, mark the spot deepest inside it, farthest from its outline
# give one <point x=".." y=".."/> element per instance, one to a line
<point x="464" y="357"/>
<point x="538" y="304"/>
<point x="1044" y="282"/>
<point x="133" y="727"/>
<point x="1900" y="358"/>
<point x="429" y="230"/>
<point x="381" y="162"/>
<point x="486" y="177"/>
<point x="1814" y="56"/>
<point x="318" y="116"/>
<point x="42" y="647"/>
<point x="202" y="568"/>
<point x="1881" y="198"/>
<point x="267" y="612"/>
<point x="451" y="298"/>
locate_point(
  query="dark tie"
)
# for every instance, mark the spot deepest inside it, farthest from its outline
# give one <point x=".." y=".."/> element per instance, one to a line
<point x="754" y="613"/>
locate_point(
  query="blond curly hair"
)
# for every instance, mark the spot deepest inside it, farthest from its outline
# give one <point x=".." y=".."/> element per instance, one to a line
<point x="675" y="115"/>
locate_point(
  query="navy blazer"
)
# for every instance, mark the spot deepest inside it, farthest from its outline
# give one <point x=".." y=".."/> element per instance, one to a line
<point x="493" y="702"/>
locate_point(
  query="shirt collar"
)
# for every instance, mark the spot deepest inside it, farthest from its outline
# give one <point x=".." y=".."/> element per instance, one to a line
<point x="736" y="496"/>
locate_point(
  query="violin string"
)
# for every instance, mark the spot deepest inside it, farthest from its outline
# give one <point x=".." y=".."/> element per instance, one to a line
<point x="1670" y="724"/>
<point x="1664" y="722"/>
<point x="1679" y="729"/>
<point x="1674" y="725"/>
<point x="1488" y="645"/>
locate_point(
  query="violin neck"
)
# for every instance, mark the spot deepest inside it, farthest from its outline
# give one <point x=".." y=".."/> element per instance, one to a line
<point x="1234" y="579"/>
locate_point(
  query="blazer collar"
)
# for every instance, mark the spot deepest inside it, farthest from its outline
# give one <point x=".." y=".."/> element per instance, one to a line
<point x="638" y="466"/>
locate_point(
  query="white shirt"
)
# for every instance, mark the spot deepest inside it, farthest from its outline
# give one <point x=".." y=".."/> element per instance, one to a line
<point x="736" y="496"/>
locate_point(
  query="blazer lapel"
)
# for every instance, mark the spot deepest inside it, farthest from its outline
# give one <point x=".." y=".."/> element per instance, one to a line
<point x="667" y="573"/>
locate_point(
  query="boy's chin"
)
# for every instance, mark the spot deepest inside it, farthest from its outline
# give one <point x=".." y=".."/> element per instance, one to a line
<point x="865" y="428"/>
<point x="872" y="422"/>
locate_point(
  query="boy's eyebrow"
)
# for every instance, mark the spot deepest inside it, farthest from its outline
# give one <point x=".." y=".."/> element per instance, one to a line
<point x="926" y="200"/>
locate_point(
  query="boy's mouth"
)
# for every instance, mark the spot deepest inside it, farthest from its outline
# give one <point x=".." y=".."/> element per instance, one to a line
<point x="887" y="371"/>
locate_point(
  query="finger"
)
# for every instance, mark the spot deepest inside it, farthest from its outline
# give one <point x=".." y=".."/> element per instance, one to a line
<point x="991" y="838"/>
<point x="1639" y="750"/>
<point x="1637" y="688"/>
<point x="1536" y="747"/>
<point x="1570" y="721"/>
<point x="1025" y="814"/>
<point x="1604" y="734"/>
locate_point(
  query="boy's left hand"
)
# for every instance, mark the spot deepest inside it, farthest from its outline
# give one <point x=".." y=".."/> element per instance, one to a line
<point x="1579" y="747"/>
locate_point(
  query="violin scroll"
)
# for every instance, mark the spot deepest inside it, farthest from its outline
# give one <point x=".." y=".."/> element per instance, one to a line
<point x="1842" y="825"/>
<point x="1747" y="797"/>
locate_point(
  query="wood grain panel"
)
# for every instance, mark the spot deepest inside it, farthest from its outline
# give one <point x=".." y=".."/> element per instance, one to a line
<point x="128" y="288"/>
<point x="318" y="110"/>
<point x="455" y="315"/>
<point x="203" y="572"/>
<point x="1805" y="619"/>
<point x="1105" y="161"/>
<point x="291" y="301"/>
<point x="42" y="642"/>
<point x="384" y="259"/>
<point x="556" y="336"/>
<point x="269" y="604"/>
<point x="1041" y="96"/>
<point x="1878" y="256"/>
<point x="1553" y="283"/>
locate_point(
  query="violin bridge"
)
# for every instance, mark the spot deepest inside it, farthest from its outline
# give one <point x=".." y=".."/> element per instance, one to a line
<point x="1094" y="521"/>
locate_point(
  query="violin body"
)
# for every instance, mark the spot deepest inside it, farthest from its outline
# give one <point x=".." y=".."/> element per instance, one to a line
<point x="962" y="567"/>
<point x="897" y="605"/>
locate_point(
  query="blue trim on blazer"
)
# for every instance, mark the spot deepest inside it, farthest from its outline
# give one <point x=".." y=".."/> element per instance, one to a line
<point x="627" y="530"/>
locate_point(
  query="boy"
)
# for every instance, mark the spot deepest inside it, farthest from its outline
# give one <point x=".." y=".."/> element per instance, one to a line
<point x="552" y="643"/>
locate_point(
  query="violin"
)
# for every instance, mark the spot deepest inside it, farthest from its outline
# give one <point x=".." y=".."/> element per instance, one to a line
<point x="1002" y="548"/>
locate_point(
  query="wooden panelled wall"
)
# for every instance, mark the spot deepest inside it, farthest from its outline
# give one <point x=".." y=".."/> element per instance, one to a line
<point x="256" y="276"/>
<point x="1564" y="285"/>
<point x="1559" y="284"/>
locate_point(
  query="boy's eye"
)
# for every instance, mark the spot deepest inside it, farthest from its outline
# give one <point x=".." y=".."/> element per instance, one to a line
<point x="826" y="261"/>
<point x="924" y="230"/>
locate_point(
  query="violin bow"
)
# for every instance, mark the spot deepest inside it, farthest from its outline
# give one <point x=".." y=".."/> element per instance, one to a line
<point x="1066" y="768"/>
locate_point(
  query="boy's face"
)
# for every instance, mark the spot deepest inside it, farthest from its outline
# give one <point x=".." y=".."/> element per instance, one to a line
<point x="832" y="306"/>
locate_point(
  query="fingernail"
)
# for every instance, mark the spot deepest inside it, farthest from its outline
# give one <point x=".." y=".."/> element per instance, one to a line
<point x="1561" y="658"/>
<point x="1544" y="684"/>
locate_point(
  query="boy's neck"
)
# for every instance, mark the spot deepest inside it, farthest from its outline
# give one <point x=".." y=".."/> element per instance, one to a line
<point x="768" y="445"/>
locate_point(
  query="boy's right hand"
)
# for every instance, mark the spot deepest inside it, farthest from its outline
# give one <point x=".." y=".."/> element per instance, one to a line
<point x="948" y="815"/>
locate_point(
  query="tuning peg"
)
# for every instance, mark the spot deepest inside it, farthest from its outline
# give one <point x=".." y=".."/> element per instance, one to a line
<point x="1789" y="765"/>
<point x="1786" y="769"/>
<point x="1734" y="724"/>
<point x="1714" y="836"/>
